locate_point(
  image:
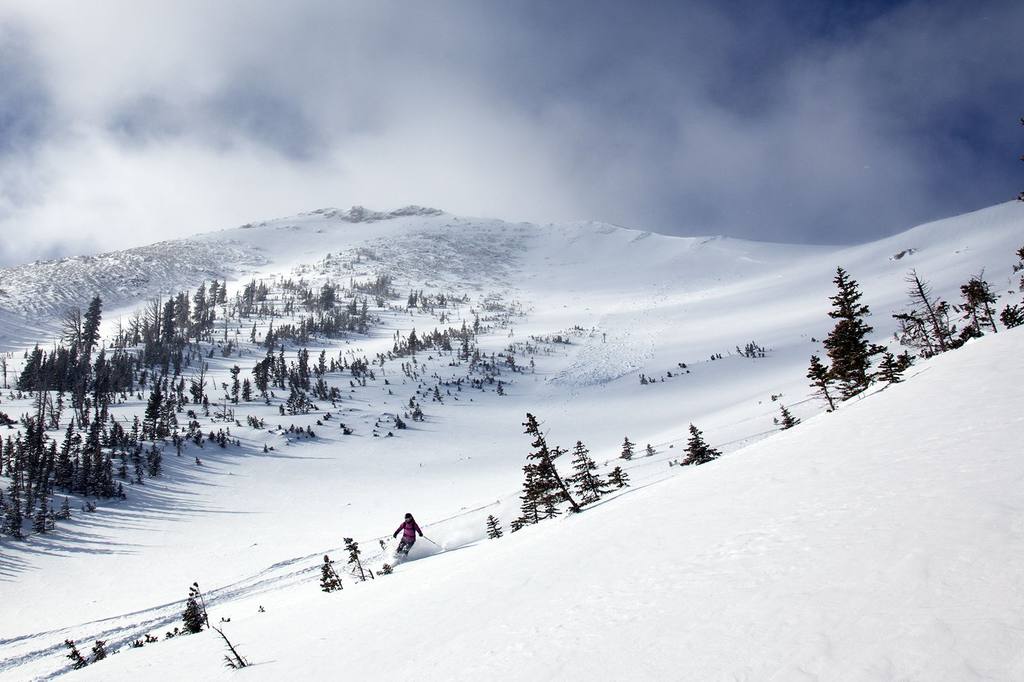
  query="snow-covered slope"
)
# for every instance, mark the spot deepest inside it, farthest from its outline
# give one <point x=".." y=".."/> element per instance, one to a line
<point x="883" y="541"/>
<point x="252" y="525"/>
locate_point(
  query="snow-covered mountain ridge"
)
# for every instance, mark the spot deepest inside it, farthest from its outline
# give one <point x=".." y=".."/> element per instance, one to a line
<point x="425" y="243"/>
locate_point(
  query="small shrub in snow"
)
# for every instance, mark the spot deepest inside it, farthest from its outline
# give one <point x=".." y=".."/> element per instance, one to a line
<point x="618" y="477"/>
<point x="330" y="581"/>
<point x="786" y="420"/>
<point x="77" y="659"/>
<point x="353" y="556"/>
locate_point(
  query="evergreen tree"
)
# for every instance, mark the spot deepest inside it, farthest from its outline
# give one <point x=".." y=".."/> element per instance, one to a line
<point x="786" y="419"/>
<point x="154" y="461"/>
<point x="13" y="517"/>
<point x="329" y="578"/>
<point x="890" y="370"/>
<point x="353" y="556"/>
<point x="529" y="507"/>
<point x="91" y="327"/>
<point x="627" y="449"/>
<point x="549" y="500"/>
<point x="618" y="477"/>
<point x="1012" y="316"/>
<point x="588" y="484"/>
<point x="545" y="459"/>
<point x="979" y="300"/>
<point x="649" y="450"/>
<point x="235" y="384"/>
<point x="64" y="472"/>
<point x="40" y="522"/>
<point x="847" y="344"/>
<point x="926" y="325"/>
<point x="493" y="528"/>
<point x="698" y="451"/>
<point x="65" y="510"/>
<point x="821" y="381"/>
<point x="77" y="659"/>
<point x="153" y="410"/>
<point x="195" y="616"/>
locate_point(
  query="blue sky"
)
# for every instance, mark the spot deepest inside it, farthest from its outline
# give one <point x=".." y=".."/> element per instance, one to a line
<point x="822" y="122"/>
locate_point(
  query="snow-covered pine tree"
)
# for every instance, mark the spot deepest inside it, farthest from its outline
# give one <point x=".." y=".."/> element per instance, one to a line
<point x="618" y="477"/>
<point x="627" y="448"/>
<point x="329" y="578"/>
<point x="353" y="556"/>
<point x="649" y="450"/>
<point x="847" y="344"/>
<point x="821" y="381"/>
<point x="99" y="650"/>
<point x="786" y="419"/>
<point x="697" y="450"/>
<point x="589" y="484"/>
<point x="493" y="528"/>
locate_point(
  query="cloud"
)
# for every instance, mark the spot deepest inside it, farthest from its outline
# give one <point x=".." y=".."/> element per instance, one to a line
<point x="123" y="124"/>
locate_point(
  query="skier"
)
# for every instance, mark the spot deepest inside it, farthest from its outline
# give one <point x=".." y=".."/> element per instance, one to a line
<point x="408" y="529"/>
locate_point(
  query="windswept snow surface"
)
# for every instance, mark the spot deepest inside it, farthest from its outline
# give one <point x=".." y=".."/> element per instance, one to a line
<point x="861" y="545"/>
<point x="883" y="541"/>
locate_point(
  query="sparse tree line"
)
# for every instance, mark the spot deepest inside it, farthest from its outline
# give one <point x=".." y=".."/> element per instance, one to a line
<point x="194" y="619"/>
<point x="99" y="454"/>
<point x="929" y="326"/>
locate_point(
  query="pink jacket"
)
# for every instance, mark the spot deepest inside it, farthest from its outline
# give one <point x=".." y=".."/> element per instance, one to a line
<point x="409" y="530"/>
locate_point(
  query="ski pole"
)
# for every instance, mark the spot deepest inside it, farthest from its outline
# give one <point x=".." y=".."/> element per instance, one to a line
<point x="431" y="542"/>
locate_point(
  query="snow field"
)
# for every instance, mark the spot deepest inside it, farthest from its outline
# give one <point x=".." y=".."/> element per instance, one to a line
<point x="879" y="542"/>
<point x="253" y="527"/>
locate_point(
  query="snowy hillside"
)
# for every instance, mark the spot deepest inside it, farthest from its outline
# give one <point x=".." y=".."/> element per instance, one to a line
<point x="860" y="545"/>
<point x="406" y="349"/>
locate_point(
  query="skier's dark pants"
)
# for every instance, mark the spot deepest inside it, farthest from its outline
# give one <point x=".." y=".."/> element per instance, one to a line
<point x="404" y="545"/>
